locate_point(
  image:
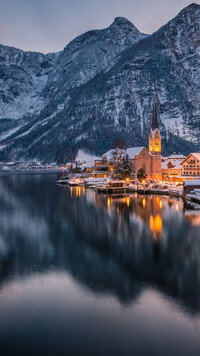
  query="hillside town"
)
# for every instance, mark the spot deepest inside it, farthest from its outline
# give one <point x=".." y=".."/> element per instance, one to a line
<point x="139" y="168"/>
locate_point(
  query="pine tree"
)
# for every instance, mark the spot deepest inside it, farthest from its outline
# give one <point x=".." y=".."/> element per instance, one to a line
<point x="141" y="174"/>
<point x="123" y="168"/>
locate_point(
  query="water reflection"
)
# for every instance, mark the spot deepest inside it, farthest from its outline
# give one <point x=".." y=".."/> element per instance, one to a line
<point x="110" y="244"/>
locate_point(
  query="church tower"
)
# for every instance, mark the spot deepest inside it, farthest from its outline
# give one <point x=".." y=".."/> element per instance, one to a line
<point x="155" y="145"/>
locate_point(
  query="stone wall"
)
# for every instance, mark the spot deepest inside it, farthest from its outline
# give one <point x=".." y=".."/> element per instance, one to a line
<point x="156" y="172"/>
<point x="143" y="160"/>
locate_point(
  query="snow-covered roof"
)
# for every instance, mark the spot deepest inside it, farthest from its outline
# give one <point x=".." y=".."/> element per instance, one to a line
<point x="133" y="151"/>
<point x="194" y="182"/>
<point x="175" y="163"/>
<point x="82" y="168"/>
<point x="89" y="164"/>
<point x="109" y="154"/>
<point x="100" y="172"/>
<point x="177" y="156"/>
<point x="195" y="155"/>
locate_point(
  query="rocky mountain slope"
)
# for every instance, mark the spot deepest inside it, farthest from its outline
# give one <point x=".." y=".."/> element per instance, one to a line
<point x="99" y="88"/>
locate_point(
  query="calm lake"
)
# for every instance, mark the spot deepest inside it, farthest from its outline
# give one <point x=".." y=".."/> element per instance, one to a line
<point x="87" y="274"/>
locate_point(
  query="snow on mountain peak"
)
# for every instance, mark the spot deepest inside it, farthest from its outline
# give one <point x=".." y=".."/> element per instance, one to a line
<point x="99" y="88"/>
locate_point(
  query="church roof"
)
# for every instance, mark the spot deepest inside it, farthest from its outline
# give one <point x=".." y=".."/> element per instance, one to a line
<point x="133" y="151"/>
<point x="155" y="118"/>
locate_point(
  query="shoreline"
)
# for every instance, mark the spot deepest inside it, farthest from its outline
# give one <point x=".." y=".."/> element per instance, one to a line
<point x="168" y="193"/>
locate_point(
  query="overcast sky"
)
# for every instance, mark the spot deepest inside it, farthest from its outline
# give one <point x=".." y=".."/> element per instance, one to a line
<point x="48" y="25"/>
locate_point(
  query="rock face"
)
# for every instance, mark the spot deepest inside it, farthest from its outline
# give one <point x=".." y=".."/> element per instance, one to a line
<point x="100" y="88"/>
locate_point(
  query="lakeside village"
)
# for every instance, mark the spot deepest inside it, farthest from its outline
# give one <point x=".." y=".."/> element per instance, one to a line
<point x="137" y="169"/>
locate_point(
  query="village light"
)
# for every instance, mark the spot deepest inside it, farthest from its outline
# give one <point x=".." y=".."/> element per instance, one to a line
<point x="128" y="202"/>
<point x="155" y="225"/>
<point x="108" y="202"/>
<point x="144" y="202"/>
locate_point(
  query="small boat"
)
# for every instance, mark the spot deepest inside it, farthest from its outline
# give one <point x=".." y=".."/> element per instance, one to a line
<point x="62" y="181"/>
<point x="113" y="186"/>
<point x="64" y="177"/>
<point x="82" y="183"/>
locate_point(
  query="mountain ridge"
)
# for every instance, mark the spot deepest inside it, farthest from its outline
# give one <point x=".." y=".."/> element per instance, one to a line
<point x="100" y="87"/>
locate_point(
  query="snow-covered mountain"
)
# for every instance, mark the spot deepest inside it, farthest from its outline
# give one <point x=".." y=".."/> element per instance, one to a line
<point x="99" y="88"/>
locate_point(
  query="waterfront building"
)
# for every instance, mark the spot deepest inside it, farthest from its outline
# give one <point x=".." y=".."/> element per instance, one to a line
<point x="171" y="166"/>
<point x="100" y="169"/>
<point x="190" y="185"/>
<point x="191" y="165"/>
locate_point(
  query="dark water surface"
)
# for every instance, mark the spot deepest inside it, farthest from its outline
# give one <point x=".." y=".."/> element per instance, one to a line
<point x="86" y="274"/>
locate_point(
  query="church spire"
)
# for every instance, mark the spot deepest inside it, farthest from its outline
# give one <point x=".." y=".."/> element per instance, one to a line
<point x="154" y="137"/>
<point x="155" y="118"/>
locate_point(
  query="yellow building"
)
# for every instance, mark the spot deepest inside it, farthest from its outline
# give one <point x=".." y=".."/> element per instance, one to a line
<point x="171" y="166"/>
<point x="96" y="174"/>
<point x="100" y="169"/>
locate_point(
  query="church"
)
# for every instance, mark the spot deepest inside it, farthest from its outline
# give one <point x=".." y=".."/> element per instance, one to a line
<point x="141" y="157"/>
<point x="149" y="160"/>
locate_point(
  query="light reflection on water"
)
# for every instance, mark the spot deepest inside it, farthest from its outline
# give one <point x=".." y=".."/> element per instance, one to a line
<point x="95" y="274"/>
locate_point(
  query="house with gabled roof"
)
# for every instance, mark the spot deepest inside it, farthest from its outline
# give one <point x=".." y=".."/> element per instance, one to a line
<point x="171" y="167"/>
<point x="191" y="165"/>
